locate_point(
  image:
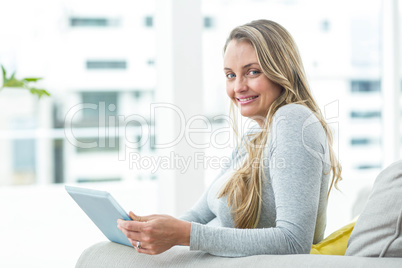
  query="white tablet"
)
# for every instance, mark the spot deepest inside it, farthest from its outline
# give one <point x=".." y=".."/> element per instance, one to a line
<point x="103" y="210"/>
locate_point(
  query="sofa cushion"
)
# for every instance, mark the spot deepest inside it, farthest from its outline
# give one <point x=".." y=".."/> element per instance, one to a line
<point x="109" y="255"/>
<point x="378" y="231"/>
<point x="335" y="243"/>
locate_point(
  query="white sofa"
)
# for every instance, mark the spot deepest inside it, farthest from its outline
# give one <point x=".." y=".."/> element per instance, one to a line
<point x="109" y="254"/>
<point x="376" y="240"/>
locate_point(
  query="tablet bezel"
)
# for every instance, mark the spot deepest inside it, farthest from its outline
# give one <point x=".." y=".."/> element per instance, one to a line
<point x="107" y="222"/>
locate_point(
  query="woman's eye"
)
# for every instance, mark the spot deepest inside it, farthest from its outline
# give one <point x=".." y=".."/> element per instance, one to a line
<point x="230" y="76"/>
<point x="254" y="72"/>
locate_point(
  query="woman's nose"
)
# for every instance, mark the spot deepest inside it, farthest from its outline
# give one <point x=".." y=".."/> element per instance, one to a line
<point x="240" y="85"/>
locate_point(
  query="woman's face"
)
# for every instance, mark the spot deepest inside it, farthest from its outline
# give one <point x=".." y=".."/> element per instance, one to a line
<point x="247" y="86"/>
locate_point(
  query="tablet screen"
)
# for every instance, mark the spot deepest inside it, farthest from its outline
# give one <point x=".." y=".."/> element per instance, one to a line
<point x="103" y="210"/>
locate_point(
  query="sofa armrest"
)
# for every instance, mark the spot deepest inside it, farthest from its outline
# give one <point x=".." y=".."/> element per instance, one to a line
<point x="109" y="254"/>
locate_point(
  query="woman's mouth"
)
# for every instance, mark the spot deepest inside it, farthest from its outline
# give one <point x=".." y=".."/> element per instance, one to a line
<point x="243" y="101"/>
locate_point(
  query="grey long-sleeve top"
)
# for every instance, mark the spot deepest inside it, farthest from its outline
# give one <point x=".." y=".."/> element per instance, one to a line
<point x="294" y="203"/>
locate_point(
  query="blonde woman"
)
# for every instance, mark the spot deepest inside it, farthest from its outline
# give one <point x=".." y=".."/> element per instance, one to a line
<point x="272" y="197"/>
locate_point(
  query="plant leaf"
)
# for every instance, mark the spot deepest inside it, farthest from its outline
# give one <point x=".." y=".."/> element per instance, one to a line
<point x="12" y="76"/>
<point x="39" y="92"/>
<point x="4" y="73"/>
<point x="32" y="79"/>
<point x="16" y="83"/>
<point x="13" y="83"/>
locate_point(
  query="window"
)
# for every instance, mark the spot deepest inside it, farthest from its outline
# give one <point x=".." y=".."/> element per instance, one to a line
<point x="82" y="180"/>
<point x="93" y="65"/>
<point x="365" y="86"/>
<point x="89" y="22"/>
<point x="111" y="144"/>
<point x="24" y="155"/>
<point x="365" y="114"/>
<point x="57" y="115"/>
<point x="103" y="108"/>
<point x="208" y="22"/>
<point x="368" y="166"/>
<point x="106" y="106"/>
<point x="149" y="21"/>
<point x="364" y="141"/>
<point x="58" y="160"/>
<point x="325" y="26"/>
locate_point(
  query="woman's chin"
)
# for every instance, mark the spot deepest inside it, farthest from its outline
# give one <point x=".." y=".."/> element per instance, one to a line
<point x="246" y="115"/>
<point x="252" y="116"/>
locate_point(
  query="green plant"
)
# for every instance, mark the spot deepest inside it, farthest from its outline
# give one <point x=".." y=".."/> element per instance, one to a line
<point x="25" y="83"/>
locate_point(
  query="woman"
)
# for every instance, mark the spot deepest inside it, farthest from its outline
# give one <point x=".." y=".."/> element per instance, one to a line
<point x="272" y="197"/>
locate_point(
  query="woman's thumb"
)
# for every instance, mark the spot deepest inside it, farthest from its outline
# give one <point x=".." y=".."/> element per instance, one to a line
<point x="134" y="217"/>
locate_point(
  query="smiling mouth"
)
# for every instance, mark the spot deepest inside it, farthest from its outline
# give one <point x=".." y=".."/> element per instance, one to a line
<point x="247" y="99"/>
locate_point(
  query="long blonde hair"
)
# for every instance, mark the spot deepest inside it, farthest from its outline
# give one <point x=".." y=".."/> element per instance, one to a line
<point x="280" y="61"/>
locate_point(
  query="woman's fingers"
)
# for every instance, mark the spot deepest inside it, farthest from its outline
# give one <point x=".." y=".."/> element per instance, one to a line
<point x="134" y="226"/>
<point x="134" y="217"/>
<point x="143" y="247"/>
<point x="146" y="248"/>
<point x="155" y="233"/>
<point x="130" y="234"/>
<point x="135" y="243"/>
<point x="146" y="251"/>
<point x="132" y="230"/>
<point x="140" y="218"/>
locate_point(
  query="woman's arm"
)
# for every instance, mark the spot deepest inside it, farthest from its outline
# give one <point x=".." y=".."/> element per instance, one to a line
<point x="296" y="183"/>
<point x="158" y="233"/>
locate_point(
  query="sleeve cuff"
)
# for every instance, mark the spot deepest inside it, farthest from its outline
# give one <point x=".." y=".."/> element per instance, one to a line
<point x="194" y="236"/>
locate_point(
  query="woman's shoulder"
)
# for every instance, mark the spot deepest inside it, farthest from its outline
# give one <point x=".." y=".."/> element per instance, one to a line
<point x="294" y="109"/>
<point x="297" y="119"/>
<point x="295" y="116"/>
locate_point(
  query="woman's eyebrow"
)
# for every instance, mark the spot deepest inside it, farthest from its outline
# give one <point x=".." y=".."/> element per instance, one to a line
<point x="250" y="64"/>
<point x="244" y="67"/>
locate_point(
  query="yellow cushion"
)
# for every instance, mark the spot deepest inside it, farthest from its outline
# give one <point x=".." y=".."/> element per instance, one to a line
<point x="335" y="243"/>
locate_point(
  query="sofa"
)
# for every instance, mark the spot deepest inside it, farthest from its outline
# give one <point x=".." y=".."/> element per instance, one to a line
<point x="375" y="240"/>
<point x="109" y="254"/>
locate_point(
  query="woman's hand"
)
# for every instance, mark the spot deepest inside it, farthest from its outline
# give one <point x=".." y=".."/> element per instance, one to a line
<point x="156" y="233"/>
